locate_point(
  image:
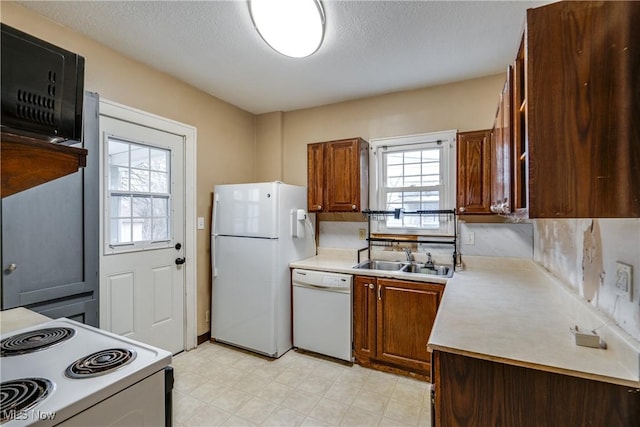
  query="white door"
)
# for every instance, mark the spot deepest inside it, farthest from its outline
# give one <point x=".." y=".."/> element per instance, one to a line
<point x="142" y="273"/>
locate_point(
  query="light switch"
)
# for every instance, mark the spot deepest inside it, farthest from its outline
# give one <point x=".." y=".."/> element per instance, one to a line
<point x="200" y="223"/>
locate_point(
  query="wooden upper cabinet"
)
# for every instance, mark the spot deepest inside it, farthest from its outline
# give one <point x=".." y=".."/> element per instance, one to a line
<point x="502" y="152"/>
<point x="474" y="172"/>
<point x="583" y="109"/>
<point x="315" y="177"/>
<point x="28" y="162"/>
<point x="519" y="160"/>
<point x="338" y="176"/>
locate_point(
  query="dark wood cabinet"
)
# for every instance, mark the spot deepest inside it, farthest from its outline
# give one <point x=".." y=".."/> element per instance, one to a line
<point x="476" y="392"/>
<point x="28" y="162"/>
<point x="582" y="106"/>
<point x="338" y="176"/>
<point x="364" y="317"/>
<point x="315" y="177"/>
<point x="501" y="152"/>
<point x="474" y="172"/>
<point x="392" y="323"/>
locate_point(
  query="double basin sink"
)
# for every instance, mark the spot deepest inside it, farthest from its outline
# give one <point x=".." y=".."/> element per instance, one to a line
<point x="407" y="267"/>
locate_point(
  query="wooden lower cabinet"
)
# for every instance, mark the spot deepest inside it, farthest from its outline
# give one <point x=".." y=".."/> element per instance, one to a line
<point x="476" y="392"/>
<point x="392" y="323"/>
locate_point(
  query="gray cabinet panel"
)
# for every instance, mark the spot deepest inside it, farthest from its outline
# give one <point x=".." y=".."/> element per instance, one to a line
<point x="81" y="309"/>
<point x="50" y="233"/>
<point x="42" y="232"/>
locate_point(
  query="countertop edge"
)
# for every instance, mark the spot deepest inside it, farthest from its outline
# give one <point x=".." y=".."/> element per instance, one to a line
<point x="530" y="365"/>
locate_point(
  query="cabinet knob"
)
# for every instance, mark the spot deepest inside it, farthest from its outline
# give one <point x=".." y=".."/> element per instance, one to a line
<point x="462" y="209"/>
<point x="11" y="268"/>
<point x="370" y="285"/>
<point x="354" y="207"/>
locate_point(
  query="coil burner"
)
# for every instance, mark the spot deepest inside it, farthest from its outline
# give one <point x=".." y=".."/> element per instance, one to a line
<point x="32" y="341"/>
<point x="100" y="363"/>
<point x="18" y="396"/>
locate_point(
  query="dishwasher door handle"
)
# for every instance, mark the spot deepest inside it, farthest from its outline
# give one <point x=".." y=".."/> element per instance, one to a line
<point x="320" y="287"/>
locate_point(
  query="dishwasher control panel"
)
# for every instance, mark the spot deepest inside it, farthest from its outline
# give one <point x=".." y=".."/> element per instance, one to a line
<point x="321" y="279"/>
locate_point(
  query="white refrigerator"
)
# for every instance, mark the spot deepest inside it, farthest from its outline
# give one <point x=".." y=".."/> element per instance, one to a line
<point x="257" y="230"/>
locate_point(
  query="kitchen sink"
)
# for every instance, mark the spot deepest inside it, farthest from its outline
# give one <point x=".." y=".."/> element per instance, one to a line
<point x="381" y="265"/>
<point x="407" y="267"/>
<point x="435" y="269"/>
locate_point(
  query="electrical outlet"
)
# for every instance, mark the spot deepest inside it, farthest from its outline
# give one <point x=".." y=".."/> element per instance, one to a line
<point x="624" y="282"/>
<point x="470" y="238"/>
<point x="200" y="223"/>
<point x="207" y="316"/>
<point x="362" y="233"/>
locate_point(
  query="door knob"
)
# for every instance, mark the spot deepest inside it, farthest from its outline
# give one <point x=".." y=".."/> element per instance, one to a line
<point x="180" y="261"/>
<point x="11" y="268"/>
<point x="178" y="246"/>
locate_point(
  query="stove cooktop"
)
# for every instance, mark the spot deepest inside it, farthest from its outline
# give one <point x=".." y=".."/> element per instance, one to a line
<point x="82" y="368"/>
<point x="32" y="341"/>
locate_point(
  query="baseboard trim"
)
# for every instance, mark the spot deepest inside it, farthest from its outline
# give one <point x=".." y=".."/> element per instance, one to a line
<point x="204" y="337"/>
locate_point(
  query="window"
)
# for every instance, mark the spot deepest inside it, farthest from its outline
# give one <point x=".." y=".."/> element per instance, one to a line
<point x="415" y="173"/>
<point x="138" y="194"/>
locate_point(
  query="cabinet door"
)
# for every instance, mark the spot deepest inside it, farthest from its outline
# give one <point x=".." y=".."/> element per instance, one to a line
<point x="519" y="132"/>
<point x="364" y="317"/>
<point x="582" y="109"/>
<point x="405" y="316"/>
<point x="315" y="177"/>
<point x="474" y="172"/>
<point x="343" y="175"/>
<point x="501" y="152"/>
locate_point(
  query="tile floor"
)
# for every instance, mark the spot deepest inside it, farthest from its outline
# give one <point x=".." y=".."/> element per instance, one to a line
<point x="217" y="385"/>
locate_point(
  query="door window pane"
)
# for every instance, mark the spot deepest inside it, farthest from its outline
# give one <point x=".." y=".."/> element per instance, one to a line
<point x="139" y="193"/>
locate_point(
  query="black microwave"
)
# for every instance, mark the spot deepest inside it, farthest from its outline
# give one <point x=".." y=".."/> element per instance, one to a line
<point x="42" y="88"/>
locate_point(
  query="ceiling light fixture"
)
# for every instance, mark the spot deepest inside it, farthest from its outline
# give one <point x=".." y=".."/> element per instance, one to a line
<point x="294" y="28"/>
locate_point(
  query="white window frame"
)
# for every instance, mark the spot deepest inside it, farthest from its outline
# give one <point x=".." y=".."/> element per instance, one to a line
<point x="447" y="142"/>
<point x="134" y="246"/>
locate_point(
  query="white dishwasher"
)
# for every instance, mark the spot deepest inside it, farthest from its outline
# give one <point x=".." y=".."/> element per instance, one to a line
<point x="322" y="313"/>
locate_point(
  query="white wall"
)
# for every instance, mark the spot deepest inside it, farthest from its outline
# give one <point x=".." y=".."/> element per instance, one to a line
<point x="583" y="253"/>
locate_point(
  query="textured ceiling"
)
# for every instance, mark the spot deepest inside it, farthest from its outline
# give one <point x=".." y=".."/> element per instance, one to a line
<point x="370" y="47"/>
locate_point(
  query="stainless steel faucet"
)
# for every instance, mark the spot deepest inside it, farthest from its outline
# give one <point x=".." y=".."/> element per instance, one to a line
<point x="409" y="254"/>
<point x="429" y="262"/>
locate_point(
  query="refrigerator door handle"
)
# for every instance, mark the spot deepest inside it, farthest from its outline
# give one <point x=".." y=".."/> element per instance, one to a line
<point x="214" y="235"/>
<point x="214" y="268"/>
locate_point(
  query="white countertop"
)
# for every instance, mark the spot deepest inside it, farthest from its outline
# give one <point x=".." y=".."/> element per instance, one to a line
<point x="513" y="311"/>
<point x="18" y="318"/>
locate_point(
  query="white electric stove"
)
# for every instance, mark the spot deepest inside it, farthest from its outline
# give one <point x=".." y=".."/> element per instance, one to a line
<point x="65" y="373"/>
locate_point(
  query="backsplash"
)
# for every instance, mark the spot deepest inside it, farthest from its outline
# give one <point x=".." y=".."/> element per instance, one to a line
<point x="341" y="234"/>
<point x="583" y="254"/>
<point x="501" y="240"/>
